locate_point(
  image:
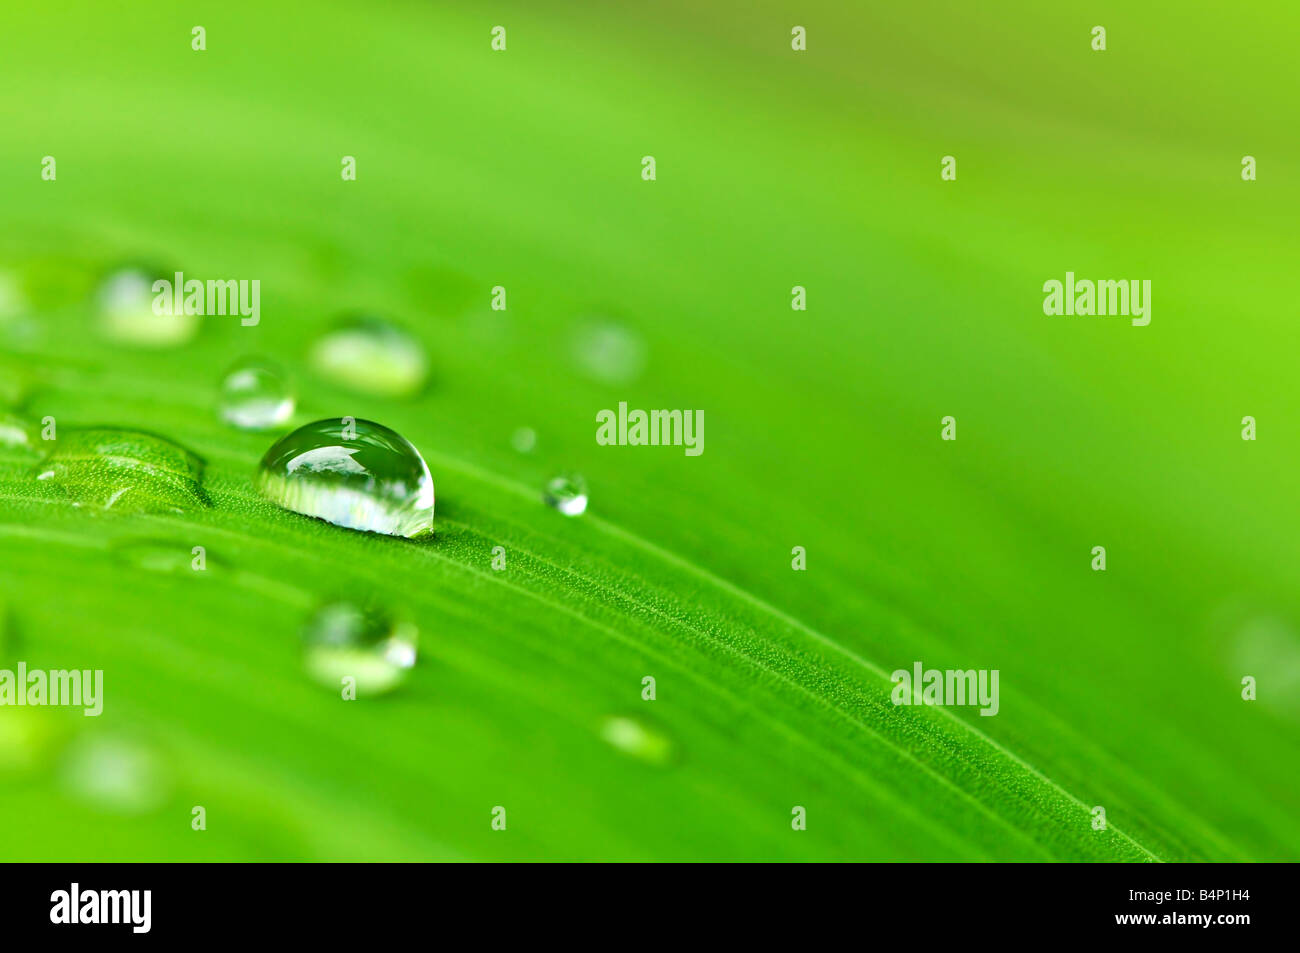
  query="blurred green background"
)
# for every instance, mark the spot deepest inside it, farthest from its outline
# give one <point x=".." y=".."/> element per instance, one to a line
<point x="775" y="168"/>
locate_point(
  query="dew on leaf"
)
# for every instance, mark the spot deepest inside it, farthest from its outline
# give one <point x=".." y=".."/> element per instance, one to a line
<point x="127" y="471"/>
<point x="342" y="640"/>
<point x="567" y="493"/>
<point x="353" y="473"/>
<point x="632" y="737"/>
<point x="255" y="395"/>
<point x="372" y="356"/>
<point x="125" y="301"/>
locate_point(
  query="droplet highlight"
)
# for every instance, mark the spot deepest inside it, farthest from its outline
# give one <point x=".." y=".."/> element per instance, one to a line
<point x="341" y="640"/>
<point x="372" y="356"/>
<point x="352" y="473"/>
<point x="255" y="395"/>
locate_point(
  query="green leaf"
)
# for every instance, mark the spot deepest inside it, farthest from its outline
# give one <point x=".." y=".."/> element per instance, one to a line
<point x="1118" y="689"/>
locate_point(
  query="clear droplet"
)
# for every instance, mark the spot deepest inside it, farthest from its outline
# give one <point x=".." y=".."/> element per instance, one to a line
<point x="115" y="774"/>
<point x="568" y="494"/>
<point x="372" y="356"/>
<point x="127" y="471"/>
<point x="634" y="738"/>
<point x="524" y="440"/>
<point x="353" y="473"/>
<point x="126" y="310"/>
<point x="341" y="640"/>
<point x="609" y="353"/>
<point x="255" y="395"/>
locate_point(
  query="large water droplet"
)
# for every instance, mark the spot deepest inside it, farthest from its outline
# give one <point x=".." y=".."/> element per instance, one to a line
<point x="353" y="473"/>
<point x="370" y="355"/>
<point x="341" y="640"/>
<point x="127" y="471"/>
<point x="634" y="738"/>
<point x="255" y="395"/>
<point x="126" y="312"/>
<point x="568" y="494"/>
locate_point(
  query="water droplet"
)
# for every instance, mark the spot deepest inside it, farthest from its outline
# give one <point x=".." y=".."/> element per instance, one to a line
<point x="524" y="440"/>
<point x="370" y="355"/>
<point x="126" y="312"/>
<point x="342" y="640"/>
<point x="568" y="494"/>
<point x="632" y="737"/>
<point x="353" y="473"/>
<point x="15" y="432"/>
<point x="255" y="395"/>
<point x="115" y="774"/>
<point x="127" y="471"/>
<point x="609" y="353"/>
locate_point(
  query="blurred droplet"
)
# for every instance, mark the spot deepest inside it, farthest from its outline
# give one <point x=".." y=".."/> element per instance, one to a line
<point x="372" y="356"/>
<point x="16" y="432"/>
<point x="127" y="315"/>
<point x="609" y="353"/>
<point x="255" y="395"/>
<point x="634" y="738"/>
<point x="524" y="440"/>
<point x="341" y="640"/>
<point x="353" y="473"/>
<point x="567" y="493"/>
<point x="1268" y="647"/>
<point x="113" y="774"/>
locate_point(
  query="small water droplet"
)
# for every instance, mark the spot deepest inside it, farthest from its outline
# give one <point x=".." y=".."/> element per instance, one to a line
<point x="115" y="774"/>
<point x="524" y="440"/>
<point x="634" y="738"/>
<point x="15" y="432"/>
<point x="568" y="494"/>
<point x="353" y="473"/>
<point x="371" y="355"/>
<point x="255" y="395"/>
<point x="342" y="640"/>
<point x="128" y="471"/>
<point x="126" y="312"/>
<point x="609" y="353"/>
